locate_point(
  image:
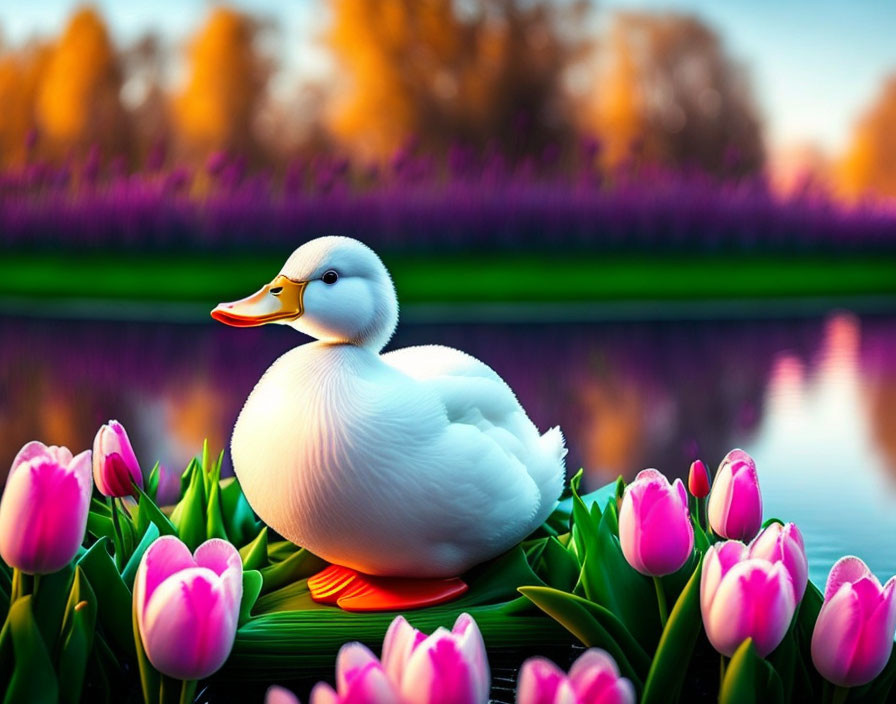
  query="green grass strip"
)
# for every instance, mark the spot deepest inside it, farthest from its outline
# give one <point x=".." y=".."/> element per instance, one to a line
<point x="560" y="277"/>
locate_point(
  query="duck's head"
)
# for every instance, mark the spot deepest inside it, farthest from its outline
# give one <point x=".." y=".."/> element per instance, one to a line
<point x="333" y="288"/>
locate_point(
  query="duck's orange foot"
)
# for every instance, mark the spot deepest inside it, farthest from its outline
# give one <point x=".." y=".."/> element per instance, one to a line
<point x="353" y="591"/>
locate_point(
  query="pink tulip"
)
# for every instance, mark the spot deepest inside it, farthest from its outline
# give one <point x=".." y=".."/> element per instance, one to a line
<point x="593" y="679"/>
<point x="43" y="512"/>
<point x="698" y="479"/>
<point x="735" y="503"/>
<point x="655" y="528"/>
<point x="853" y="636"/>
<point x="743" y="597"/>
<point x="447" y="666"/>
<point x="115" y="465"/>
<point x="360" y="679"/>
<point x="784" y="544"/>
<point x="188" y="605"/>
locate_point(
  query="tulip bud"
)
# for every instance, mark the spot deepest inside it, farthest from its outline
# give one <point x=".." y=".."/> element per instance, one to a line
<point x="593" y="677"/>
<point x="281" y="695"/>
<point x="115" y="465"/>
<point x="698" y="479"/>
<point x="784" y="544"/>
<point x="743" y="597"/>
<point x="43" y="512"/>
<point x="735" y="503"/>
<point x="853" y="636"/>
<point x="446" y="666"/>
<point x="359" y="678"/>
<point x="188" y="605"/>
<point x="655" y="529"/>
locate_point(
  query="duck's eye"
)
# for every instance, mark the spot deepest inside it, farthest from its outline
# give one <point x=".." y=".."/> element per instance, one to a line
<point x="276" y="291"/>
<point x="330" y="277"/>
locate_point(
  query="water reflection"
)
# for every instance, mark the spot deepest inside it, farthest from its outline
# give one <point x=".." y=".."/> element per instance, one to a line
<point x="813" y="400"/>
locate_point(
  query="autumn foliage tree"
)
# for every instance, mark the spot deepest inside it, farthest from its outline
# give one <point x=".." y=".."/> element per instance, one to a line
<point x="227" y="79"/>
<point x="21" y="73"/>
<point x="668" y="94"/>
<point x="77" y="102"/>
<point x="870" y="164"/>
<point x="478" y="73"/>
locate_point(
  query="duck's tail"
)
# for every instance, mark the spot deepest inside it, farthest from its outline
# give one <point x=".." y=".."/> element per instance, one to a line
<point x="550" y="473"/>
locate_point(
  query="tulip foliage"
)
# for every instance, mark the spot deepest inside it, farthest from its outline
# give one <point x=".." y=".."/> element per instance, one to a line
<point x="156" y="598"/>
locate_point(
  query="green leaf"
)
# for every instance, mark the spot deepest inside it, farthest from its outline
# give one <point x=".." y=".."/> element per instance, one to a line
<point x="100" y="526"/>
<point x="674" y="652"/>
<point x="113" y="595"/>
<point x="50" y="597"/>
<point x="25" y="663"/>
<point x="214" y="527"/>
<point x="701" y="541"/>
<point x="594" y="626"/>
<point x="152" y="482"/>
<point x="750" y="680"/>
<point x="583" y="526"/>
<point x="610" y="581"/>
<point x="299" y="565"/>
<point x="252" y="583"/>
<point x="148" y="512"/>
<point x="188" y="516"/>
<point x="130" y="569"/>
<point x="557" y="566"/>
<point x="255" y="554"/>
<point x="239" y="520"/>
<point x="76" y="638"/>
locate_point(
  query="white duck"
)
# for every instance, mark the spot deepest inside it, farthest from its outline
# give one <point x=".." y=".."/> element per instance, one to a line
<point x="418" y="463"/>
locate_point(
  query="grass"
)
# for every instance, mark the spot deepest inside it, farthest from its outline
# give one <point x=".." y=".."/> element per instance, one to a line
<point x="459" y="278"/>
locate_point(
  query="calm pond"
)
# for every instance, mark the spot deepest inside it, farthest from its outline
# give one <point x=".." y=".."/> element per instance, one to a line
<point x="812" y="399"/>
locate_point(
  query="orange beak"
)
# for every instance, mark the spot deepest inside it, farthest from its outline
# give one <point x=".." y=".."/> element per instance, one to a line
<point x="279" y="300"/>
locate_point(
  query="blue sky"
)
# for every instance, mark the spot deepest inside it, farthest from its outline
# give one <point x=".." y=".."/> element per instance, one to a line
<point x="815" y="64"/>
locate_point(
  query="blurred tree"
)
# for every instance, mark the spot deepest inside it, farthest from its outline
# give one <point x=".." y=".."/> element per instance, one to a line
<point x="78" y="104"/>
<point x="669" y="95"/>
<point x="20" y="76"/>
<point x="145" y="98"/>
<point x="870" y="163"/>
<point x="479" y="73"/>
<point x="227" y="82"/>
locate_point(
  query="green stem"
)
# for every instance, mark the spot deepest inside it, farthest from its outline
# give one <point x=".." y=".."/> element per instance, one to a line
<point x="187" y="691"/>
<point x="19" y="586"/>
<point x="722" y="667"/>
<point x="701" y="514"/>
<point x="840" y="694"/>
<point x="117" y="537"/>
<point x="661" y="601"/>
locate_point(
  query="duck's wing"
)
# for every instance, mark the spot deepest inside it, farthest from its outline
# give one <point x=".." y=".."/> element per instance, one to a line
<point x="475" y="397"/>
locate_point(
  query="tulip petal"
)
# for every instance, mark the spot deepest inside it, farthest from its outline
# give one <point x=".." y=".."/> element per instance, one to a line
<point x="280" y="695"/>
<point x="472" y="648"/>
<point x="29" y="451"/>
<point x="437" y="673"/>
<point x="875" y="643"/>
<point x="836" y="634"/>
<point x="353" y="658"/>
<point x="323" y="694"/>
<point x="399" y="643"/>
<point x="166" y="556"/>
<point x="43" y="513"/>
<point x="592" y="673"/>
<point x="542" y="682"/>
<point x="847" y="569"/>
<point x="189" y="624"/>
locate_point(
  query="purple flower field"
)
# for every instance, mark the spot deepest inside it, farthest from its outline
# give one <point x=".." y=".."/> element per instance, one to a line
<point x="417" y="204"/>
